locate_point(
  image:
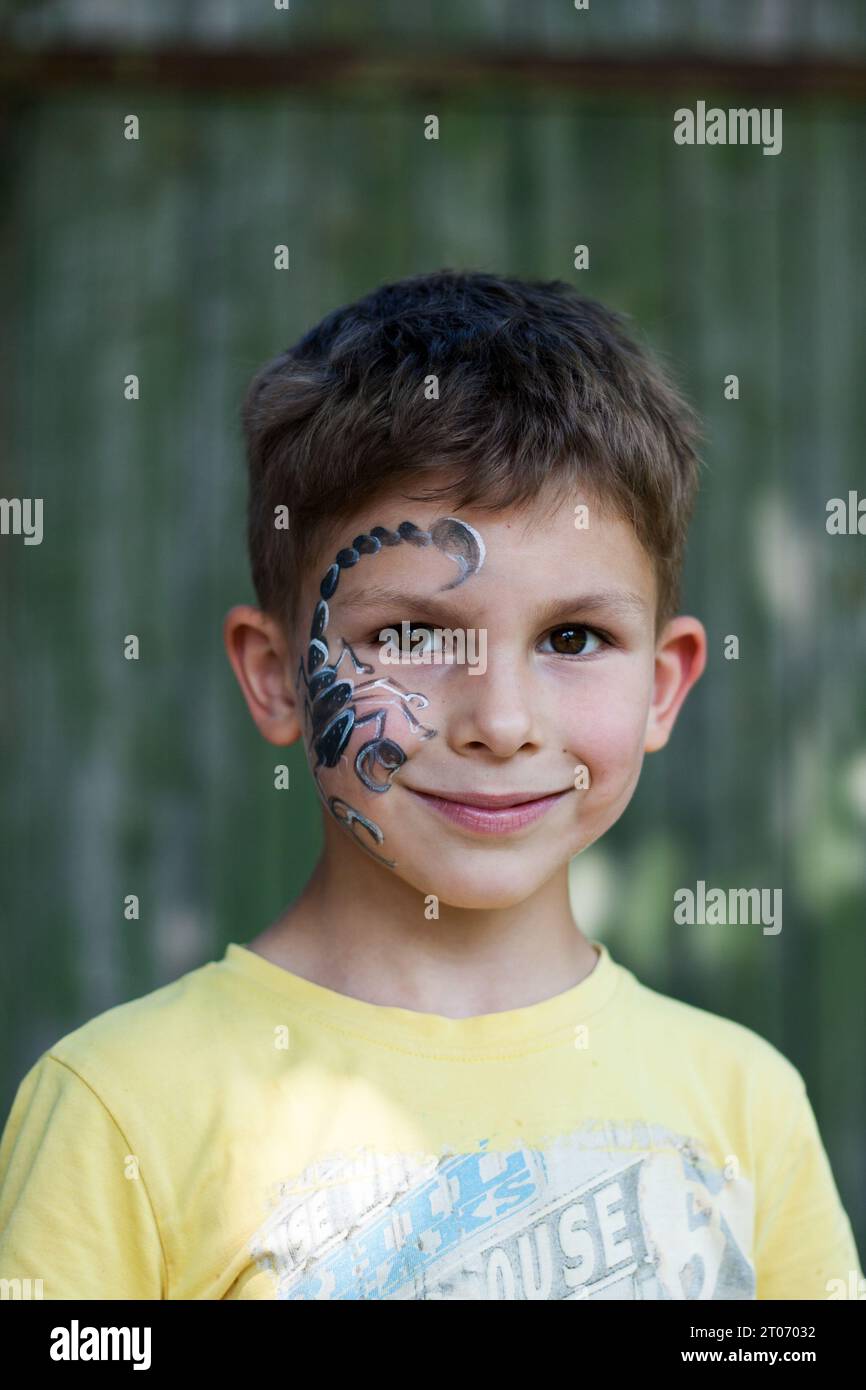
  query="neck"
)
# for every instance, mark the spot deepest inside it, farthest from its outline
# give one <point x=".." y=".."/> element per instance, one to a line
<point x="360" y="930"/>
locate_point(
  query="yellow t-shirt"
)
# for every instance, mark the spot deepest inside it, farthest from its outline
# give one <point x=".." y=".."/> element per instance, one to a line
<point x="245" y="1133"/>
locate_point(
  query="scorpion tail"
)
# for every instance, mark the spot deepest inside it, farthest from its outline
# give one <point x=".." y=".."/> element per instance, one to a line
<point x="461" y="543"/>
<point x="456" y="539"/>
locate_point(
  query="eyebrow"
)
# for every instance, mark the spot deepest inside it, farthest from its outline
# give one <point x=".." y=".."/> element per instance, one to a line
<point x="622" y="602"/>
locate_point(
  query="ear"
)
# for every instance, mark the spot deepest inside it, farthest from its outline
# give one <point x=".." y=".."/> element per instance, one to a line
<point x="260" y="657"/>
<point x="681" y="655"/>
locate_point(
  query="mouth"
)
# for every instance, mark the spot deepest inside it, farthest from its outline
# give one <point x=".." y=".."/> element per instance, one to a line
<point x="491" y="815"/>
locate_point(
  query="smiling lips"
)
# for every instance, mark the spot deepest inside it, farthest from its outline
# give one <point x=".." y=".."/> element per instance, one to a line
<point x="491" y="814"/>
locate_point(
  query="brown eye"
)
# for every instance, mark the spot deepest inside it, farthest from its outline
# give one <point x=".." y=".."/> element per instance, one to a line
<point x="573" y="640"/>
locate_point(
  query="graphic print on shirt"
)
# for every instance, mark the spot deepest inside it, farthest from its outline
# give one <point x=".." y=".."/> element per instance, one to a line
<point x="614" y="1212"/>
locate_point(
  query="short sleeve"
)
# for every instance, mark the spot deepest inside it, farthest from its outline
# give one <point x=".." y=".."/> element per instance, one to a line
<point x="74" y="1212"/>
<point x="803" y="1238"/>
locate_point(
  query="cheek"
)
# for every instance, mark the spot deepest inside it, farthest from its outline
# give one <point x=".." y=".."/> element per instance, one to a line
<point x="604" y="726"/>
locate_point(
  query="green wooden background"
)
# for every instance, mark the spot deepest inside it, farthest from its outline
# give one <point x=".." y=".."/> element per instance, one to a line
<point x="156" y="257"/>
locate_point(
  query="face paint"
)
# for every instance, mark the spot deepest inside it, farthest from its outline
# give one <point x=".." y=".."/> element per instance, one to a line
<point x="332" y="705"/>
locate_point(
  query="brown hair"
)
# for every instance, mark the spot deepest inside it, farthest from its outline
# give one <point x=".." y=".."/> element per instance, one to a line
<point x="537" y="386"/>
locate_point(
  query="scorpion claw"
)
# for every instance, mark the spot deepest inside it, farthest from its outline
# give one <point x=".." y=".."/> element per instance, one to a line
<point x="347" y="816"/>
<point x="387" y="754"/>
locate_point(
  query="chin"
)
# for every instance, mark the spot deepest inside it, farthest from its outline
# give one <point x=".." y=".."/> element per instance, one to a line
<point x="477" y="887"/>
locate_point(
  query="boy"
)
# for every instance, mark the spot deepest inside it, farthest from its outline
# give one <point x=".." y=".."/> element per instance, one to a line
<point x="423" y="1081"/>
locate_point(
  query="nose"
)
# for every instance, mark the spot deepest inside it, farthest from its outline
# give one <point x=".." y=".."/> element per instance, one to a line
<point x="497" y="711"/>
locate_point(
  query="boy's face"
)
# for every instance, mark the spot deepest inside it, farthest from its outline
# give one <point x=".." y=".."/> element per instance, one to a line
<point x="559" y="691"/>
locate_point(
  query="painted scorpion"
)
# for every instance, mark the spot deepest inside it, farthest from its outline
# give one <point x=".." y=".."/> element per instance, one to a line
<point x="331" y="704"/>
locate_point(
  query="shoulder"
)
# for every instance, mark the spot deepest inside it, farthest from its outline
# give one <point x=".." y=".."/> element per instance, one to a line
<point x="147" y="1041"/>
<point x="736" y="1060"/>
